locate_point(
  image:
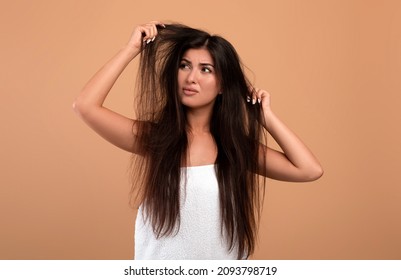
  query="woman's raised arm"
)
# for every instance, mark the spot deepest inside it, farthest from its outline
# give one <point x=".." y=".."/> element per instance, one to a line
<point x="115" y="128"/>
<point x="296" y="163"/>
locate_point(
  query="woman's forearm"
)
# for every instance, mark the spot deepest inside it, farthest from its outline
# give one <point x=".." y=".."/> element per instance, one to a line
<point x="296" y="163"/>
<point x="292" y="146"/>
<point x="112" y="126"/>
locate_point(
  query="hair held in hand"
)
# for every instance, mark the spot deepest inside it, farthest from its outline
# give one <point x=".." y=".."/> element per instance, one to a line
<point x="236" y="127"/>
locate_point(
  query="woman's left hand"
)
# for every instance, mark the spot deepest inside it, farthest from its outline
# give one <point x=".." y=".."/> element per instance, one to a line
<point x="296" y="163"/>
<point x="259" y="96"/>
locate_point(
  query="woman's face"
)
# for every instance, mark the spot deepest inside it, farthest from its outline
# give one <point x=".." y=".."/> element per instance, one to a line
<point x="198" y="85"/>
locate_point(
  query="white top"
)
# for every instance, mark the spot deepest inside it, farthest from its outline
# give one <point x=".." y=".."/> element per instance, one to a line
<point x="199" y="235"/>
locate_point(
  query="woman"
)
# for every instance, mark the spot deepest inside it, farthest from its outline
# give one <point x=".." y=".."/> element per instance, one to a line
<point x="198" y="140"/>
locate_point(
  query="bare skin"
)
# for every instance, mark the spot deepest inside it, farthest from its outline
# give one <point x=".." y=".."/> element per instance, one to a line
<point x="296" y="163"/>
<point x="198" y="89"/>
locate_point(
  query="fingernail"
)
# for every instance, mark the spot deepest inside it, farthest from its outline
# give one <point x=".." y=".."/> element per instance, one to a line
<point x="153" y="38"/>
<point x="253" y="101"/>
<point x="248" y="99"/>
<point x="148" y="41"/>
<point x="259" y="100"/>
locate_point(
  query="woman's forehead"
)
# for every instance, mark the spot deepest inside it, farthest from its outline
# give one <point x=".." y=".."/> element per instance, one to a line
<point x="201" y="55"/>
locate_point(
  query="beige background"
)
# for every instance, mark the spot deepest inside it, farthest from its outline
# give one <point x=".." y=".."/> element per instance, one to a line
<point x="332" y="67"/>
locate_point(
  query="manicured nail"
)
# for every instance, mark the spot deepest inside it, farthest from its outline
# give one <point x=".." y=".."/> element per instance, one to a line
<point x="248" y="99"/>
<point x="153" y="38"/>
<point x="259" y="100"/>
<point x="148" y="41"/>
<point x="254" y="101"/>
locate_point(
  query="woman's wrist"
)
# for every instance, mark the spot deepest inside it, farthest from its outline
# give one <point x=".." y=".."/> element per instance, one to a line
<point x="130" y="51"/>
<point x="268" y="116"/>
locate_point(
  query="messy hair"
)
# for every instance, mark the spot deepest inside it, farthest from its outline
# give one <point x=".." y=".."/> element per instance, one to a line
<point x="236" y="127"/>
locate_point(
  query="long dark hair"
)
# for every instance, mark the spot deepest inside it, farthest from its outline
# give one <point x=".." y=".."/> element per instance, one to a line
<point x="162" y="133"/>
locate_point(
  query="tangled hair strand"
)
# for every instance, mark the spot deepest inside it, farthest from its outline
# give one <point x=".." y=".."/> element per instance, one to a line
<point x="162" y="132"/>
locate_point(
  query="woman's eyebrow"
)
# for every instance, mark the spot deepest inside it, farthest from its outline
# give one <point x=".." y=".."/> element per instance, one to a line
<point x="206" y="64"/>
<point x="202" y="64"/>
<point x="186" y="60"/>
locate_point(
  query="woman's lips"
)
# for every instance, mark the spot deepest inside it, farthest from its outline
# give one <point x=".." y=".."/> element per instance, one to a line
<point x="189" y="91"/>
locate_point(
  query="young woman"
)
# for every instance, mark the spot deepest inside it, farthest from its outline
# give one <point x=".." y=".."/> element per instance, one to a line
<point x="199" y="143"/>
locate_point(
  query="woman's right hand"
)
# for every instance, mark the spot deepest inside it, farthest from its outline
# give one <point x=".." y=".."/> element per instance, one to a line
<point x="144" y="34"/>
<point x="117" y="129"/>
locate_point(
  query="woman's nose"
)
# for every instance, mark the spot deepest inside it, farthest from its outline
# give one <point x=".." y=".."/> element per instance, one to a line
<point x="191" y="78"/>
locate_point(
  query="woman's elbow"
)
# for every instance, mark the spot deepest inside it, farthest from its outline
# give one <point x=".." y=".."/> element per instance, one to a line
<point x="315" y="173"/>
<point x="79" y="107"/>
<point x="75" y="106"/>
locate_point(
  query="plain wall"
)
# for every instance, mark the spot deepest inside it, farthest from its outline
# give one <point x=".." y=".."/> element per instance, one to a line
<point x="332" y="67"/>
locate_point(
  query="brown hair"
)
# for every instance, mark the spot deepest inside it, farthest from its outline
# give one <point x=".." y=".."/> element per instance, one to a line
<point x="236" y="128"/>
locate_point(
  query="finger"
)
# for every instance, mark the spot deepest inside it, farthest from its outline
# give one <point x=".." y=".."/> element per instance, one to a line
<point x="265" y="98"/>
<point x="154" y="32"/>
<point x="255" y="95"/>
<point x="158" y="23"/>
<point x="147" y="35"/>
<point x="145" y="32"/>
<point x="152" y="27"/>
<point x="259" y="95"/>
<point x="263" y="93"/>
<point x="150" y="33"/>
<point x="267" y="95"/>
<point x="249" y="96"/>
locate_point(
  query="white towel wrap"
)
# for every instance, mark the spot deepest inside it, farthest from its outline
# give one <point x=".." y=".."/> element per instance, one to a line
<point x="199" y="236"/>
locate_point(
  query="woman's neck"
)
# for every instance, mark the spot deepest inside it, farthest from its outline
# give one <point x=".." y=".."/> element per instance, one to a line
<point x="199" y="120"/>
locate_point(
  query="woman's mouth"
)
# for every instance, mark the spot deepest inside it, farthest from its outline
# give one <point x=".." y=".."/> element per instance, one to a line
<point x="189" y="91"/>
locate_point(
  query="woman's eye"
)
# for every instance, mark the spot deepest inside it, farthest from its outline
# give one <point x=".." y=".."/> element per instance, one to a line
<point x="184" y="65"/>
<point x="206" y="70"/>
